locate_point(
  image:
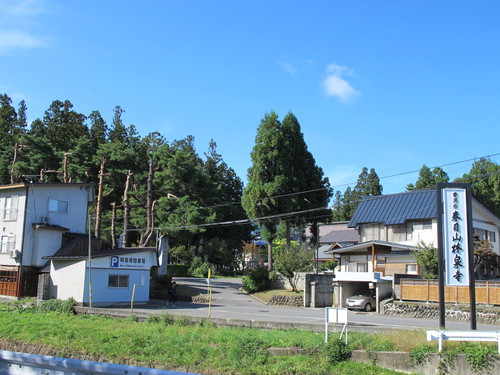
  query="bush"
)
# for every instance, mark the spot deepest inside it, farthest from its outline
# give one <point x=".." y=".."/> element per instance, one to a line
<point x="57" y="305"/>
<point x="337" y="351"/>
<point x="256" y="280"/>
<point x="199" y="268"/>
<point x="329" y="265"/>
<point x="177" y="270"/>
<point x="164" y="280"/>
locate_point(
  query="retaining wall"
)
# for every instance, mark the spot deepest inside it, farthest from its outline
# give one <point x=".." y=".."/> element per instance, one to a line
<point x="428" y="311"/>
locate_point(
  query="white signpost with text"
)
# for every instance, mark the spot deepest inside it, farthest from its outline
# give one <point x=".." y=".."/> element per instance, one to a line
<point x="336" y="315"/>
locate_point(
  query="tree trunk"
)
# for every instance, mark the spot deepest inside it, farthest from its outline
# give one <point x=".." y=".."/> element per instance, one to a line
<point x="145" y="237"/>
<point x="98" y="207"/>
<point x="113" y="228"/>
<point x="126" y="209"/>
<point x="270" y="255"/>
<point x="65" y="168"/>
<point x="14" y="159"/>
<point x="287" y="235"/>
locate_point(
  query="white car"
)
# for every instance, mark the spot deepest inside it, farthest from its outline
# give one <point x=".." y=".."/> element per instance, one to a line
<point x="360" y="302"/>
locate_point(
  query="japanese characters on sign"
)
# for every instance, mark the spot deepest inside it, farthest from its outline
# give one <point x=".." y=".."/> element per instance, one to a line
<point x="455" y="237"/>
<point x="123" y="261"/>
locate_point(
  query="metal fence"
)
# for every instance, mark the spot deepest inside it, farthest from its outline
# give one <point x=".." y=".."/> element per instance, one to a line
<point x="13" y="363"/>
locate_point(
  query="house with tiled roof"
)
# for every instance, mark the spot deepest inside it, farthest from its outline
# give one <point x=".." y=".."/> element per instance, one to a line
<point x="389" y="227"/>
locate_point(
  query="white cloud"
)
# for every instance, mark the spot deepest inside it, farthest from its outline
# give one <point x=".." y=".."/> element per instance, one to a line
<point x="21" y="8"/>
<point x="17" y="20"/>
<point x="286" y="64"/>
<point x="19" y="39"/>
<point x="343" y="175"/>
<point x="336" y="85"/>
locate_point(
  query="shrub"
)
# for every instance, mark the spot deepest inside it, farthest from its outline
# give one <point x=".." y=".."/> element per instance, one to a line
<point x="59" y="306"/>
<point x="164" y="280"/>
<point x="199" y="268"/>
<point x="256" y="280"/>
<point x="177" y="270"/>
<point x="337" y="351"/>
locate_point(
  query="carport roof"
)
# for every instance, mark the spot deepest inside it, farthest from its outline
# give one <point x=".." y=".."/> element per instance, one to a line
<point x="360" y="247"/>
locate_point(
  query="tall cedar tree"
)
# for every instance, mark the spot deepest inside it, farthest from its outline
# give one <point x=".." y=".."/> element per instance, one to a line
<point x="368" y="184"/>
<point x="282" y="171"/>
<point x="427" y="178"/>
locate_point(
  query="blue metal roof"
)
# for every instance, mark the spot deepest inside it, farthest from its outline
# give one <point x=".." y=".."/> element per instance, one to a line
<point x="395" y="208"/>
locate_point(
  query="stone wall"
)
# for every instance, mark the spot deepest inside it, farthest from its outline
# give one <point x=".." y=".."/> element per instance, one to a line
<point x="297" y="301"/>
<point x="431" y="311"/>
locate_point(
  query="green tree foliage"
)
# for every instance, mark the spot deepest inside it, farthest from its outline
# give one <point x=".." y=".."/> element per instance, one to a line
<point x="427" y="258"/>
<point x="427" y="178"/>
<point x="345" y="205"/>
<point x="284" y="178"/>
<point x="485" y="179"/>
<point x="289" y="260"/>
<point x="62" y="127"/>
<point x="183" y="191"/>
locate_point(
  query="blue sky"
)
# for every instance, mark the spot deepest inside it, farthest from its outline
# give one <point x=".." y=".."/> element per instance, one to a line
<point x="390" y="85"/>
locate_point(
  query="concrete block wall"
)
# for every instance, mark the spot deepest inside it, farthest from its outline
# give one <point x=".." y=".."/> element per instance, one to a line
<point x="318" y="290"/>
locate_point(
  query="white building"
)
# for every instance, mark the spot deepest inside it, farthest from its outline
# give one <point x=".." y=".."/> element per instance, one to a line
<point x="32" y="224"/>
<point x="389" y="227"/>
<point x="114" y="276"/>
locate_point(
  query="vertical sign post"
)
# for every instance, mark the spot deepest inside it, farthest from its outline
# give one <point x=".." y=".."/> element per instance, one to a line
<point x="455" y="243"/>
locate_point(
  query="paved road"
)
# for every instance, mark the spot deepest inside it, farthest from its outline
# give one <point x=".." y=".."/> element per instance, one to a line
<point x="229" y="302"/>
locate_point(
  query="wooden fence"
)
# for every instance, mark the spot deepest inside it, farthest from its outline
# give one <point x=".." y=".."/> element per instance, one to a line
<point x="487" y="292"/>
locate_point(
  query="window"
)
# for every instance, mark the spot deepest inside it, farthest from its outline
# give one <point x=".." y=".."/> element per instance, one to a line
<point x="372" y="232"/>
<point x="411" y="269"/>
<point x="362" y="267"/>
<point x="7" y="244"/>
<point x="485" y="234"/>
<point x="397" y="233"/>
<point x="10" y="208"/>
<point x="118" y="281"/>
<point x="422" y="225"/>
<point x="58" y="206"/>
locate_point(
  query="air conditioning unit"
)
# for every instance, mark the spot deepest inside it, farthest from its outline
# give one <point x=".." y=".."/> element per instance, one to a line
<point x="14" y="254"/>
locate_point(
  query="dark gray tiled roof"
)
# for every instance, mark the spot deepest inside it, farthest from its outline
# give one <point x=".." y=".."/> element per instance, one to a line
<point x="396" y="208"/>
<point x="348" y="235"/>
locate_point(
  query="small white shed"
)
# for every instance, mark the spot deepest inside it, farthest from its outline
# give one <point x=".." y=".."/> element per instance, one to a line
<point x="112" y="275"/>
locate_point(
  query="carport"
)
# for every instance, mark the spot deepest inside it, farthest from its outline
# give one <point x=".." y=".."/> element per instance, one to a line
<point x="347" y="284"/>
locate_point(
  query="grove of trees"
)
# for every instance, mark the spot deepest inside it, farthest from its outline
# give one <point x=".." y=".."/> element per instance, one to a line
<point x="142" y="182"/>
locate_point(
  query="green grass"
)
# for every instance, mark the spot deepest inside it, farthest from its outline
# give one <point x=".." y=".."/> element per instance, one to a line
<point x="168" y="342"/>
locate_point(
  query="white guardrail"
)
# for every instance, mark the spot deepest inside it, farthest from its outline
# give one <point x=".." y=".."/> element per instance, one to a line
<point x="13" y="363"/>
<point x="443" y="335"/>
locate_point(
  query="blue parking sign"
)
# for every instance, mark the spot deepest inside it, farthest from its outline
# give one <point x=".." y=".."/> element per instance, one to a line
<point x="115" y="261"/>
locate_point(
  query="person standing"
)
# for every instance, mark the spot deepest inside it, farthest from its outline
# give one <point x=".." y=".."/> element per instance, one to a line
<point x="172" y="293"/>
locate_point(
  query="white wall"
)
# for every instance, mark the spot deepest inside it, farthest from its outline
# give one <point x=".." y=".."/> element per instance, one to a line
<point x="75" y="219"/>
<point x="67" y="278"/>
<point x="482" y="219"/>
<point x="12" y="227"/>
